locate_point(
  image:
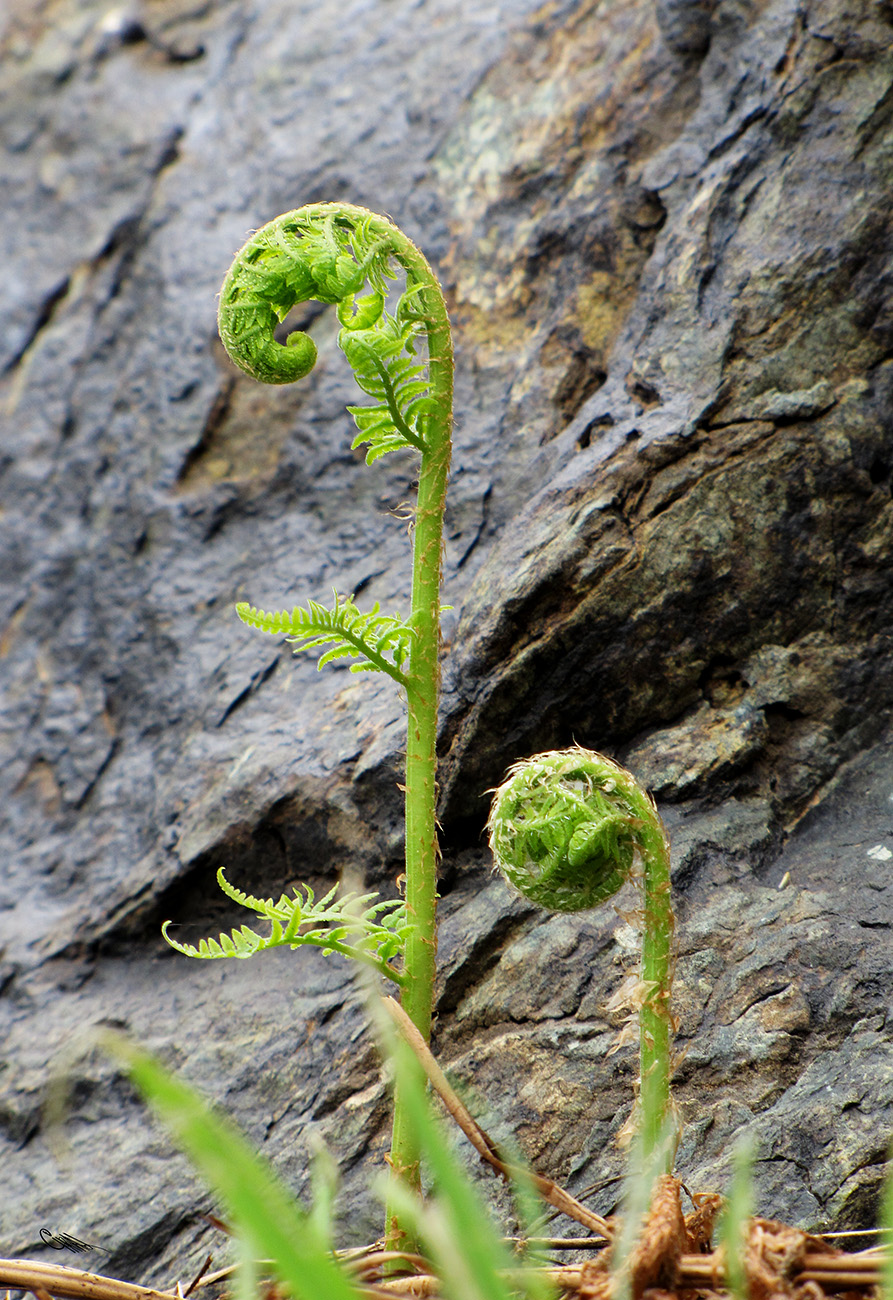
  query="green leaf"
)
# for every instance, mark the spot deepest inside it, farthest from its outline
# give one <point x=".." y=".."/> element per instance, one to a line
<point x="738" y="1210"/>
<point x="886" y="1289"/>
<point x="381" y="642"/>
<point x="383" y="360"/>
<point x="458" y="1235"/>
<point x="362" y="926"/>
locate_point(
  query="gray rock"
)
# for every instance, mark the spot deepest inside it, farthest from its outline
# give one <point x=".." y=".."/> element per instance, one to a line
<point x="685" y="25"/>
<point x="668" y="537"/>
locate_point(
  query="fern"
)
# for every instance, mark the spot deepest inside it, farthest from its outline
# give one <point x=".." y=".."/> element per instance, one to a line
<point x="341" y="254"/>
<point x="380" y="642"/>
<point x="354" y="925"/>
<point x="566" y="829"/>
<point x="331" y="257"/>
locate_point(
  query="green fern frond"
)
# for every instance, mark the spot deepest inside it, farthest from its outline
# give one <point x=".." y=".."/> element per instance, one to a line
<point x="380" y="642"/>
<point x="383" y="359"/>
<point x="324" y="252"/>
<point x="362" y="926"/>
<point x="331" y="256"/>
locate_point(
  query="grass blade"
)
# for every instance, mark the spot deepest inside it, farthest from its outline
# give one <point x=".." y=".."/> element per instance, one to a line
<point x="734" y="1220"/>
<point x="886" y="1287"/>
<point x="470" y="1256"/>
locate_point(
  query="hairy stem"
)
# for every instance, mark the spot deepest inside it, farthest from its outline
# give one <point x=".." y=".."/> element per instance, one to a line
<point x="655" y="1016"/>
<point x="422" y="692"/>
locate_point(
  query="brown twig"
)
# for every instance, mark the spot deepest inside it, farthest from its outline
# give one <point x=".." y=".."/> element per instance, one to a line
<point x="479" y="1138"/>
<point x="557" y="1243"/>
<point x="72" y="1283"/>
<point x="854" y="1232"/>
<point x="832" y="1272"/>
<point x="423" y="1284"/>
<point x="198" y="1277"/>
<point x="373" y="1261"/>
<point x="699" y="1272"/>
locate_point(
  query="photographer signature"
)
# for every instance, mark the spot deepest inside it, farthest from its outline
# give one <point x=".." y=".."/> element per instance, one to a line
<point x="64" y="1241"/>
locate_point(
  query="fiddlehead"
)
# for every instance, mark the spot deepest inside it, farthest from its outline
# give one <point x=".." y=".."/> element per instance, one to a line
<point x="567" y="829"/>
<point x="329" y="252"/>
<point x="561" y="831"/>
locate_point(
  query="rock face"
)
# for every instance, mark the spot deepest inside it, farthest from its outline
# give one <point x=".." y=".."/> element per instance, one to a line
<point x="666" y="239"/>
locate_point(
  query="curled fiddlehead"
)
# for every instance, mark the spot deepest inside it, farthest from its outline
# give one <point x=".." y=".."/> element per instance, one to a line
<point x="561" y="831"/>
<point x="329" y="252"/>
<point x="567" y="829"/>
<point x="302" y="255"/>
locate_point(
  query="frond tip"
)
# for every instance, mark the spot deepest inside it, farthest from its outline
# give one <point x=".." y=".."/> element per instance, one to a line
<point x="380" y="642"/>
<point x="344" y="255"/>
<point x="362" y="926"/>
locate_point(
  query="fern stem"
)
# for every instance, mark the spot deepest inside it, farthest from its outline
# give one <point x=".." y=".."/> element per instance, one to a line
<point x="566" y="829"/>
<point x="655" y="1018"/>
<point x="423" y="683"/>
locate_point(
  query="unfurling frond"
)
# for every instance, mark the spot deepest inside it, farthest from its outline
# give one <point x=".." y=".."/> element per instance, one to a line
<point x="333" y="253"/>
<point x="564" y="829"/>
<point x="327" y="253"/>
<point x="399" y="347"/>
<point x="361" y="926"/>
<point x="381" y="643"/>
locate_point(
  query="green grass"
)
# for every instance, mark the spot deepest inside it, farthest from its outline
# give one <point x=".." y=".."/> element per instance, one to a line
<point x="452" y="1224"/>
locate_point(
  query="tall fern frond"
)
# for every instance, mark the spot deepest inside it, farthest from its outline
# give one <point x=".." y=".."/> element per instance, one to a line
<point x="361" y="926"/>
<point x="380" y="642"/>
<point x="339" y="253"/>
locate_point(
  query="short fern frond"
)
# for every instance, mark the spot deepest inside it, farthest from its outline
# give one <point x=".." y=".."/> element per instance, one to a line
<point x="380" y="642"/>
<point x="383" y="358"/>
<point x="361" y="926"/>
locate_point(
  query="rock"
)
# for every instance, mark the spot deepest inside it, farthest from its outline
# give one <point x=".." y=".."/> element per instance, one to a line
<point x="664" y="234"/>
<point x="685" y="25"/>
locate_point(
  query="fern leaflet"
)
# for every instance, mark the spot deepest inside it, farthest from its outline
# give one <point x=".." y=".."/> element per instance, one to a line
<point x="380" y="642"/>
<point x="383" y="358"/>
<point x="361" y="926"/>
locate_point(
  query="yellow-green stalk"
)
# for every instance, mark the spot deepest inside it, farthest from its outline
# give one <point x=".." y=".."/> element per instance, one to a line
<point x="341" y="254"/>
